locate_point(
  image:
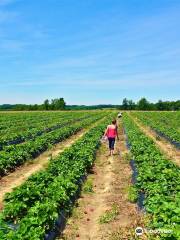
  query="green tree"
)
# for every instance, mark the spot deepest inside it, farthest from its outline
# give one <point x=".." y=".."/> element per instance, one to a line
<point x="177" y="105"/>
<point x="131" y="105"/>
<point x="46" y="105"/>
<point x="160" y="105"/>
<point x="143" y="104"/>
<point x="125" y="104"/>
<point x="58" y="104"/>
<point x="62" y="104"/>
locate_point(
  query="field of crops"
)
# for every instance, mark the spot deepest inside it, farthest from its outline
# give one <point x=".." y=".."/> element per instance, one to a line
<point x="34" y="209"/>
<point x="26" y="137"/>
<point x="167" y="124"/>
<point x="158" y="179"/>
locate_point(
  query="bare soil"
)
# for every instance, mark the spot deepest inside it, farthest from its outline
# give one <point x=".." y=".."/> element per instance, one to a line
<point x="165" y="147"/>
<point x="111" y="178"/>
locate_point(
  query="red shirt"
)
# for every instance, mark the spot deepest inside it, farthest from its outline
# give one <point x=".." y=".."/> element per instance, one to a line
<point x="111" y="132"/>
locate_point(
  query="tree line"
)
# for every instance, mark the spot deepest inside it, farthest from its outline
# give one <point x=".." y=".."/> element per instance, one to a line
<point x="127" y="104"/>
<point x="144" y="104"/>
<point x="54" y="104"/>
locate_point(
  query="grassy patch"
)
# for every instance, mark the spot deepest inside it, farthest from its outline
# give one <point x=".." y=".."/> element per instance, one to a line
<point x="123" y="234"/>
<point x="88" y="186"/>
<point x="132" y="194"/>
<point x="116" y="235"/>
<point x="50" y="156"/>
<point x="76" y="213"/>
<point x="127" y="157"/>
<point x="158" y="138"/>
<point x="109" y="215"/>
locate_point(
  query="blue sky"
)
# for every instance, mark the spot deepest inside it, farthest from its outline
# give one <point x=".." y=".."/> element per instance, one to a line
<point x="89" y="51"/>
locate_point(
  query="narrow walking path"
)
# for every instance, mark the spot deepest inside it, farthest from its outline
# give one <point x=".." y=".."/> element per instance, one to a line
<point x="166" y="148"/>
<point x="105" y="211"/>
<point x="16" y="178"/>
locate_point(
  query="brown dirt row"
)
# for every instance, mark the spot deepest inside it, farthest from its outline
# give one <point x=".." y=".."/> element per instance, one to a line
<point x="165" y="147"/>
<point x="22" y="173"/>
<point x="111" y="179"/>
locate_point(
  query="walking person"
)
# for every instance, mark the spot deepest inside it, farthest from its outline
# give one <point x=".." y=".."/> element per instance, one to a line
<point x="111" y="133"/>
<point x="119" y="114"/>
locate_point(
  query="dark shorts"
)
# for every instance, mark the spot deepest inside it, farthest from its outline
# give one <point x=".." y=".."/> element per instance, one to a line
<point x="111" y="143"/>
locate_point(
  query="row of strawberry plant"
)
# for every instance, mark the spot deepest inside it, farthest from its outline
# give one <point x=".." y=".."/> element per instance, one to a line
<point x="32" y="131"/>
<point x="18" y="118"/>
<point x="11" y="120"/>
<point x="33" y="120"/>
<point x="15" y="155"/>
<point x="35" y="205"/>
<point x="166" y="124"/>
<point x="28" y="123"/>
<point x="158" y="178"/>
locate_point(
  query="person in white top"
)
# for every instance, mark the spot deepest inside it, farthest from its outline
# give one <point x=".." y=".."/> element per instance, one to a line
<point x="119" y="115"/>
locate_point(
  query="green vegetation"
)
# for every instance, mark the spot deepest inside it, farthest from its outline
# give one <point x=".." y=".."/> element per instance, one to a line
<point x="15" y="155"/>
<point x="158" y="178"/>
<point x="127" y="156"/>
<point x="59" y="104"/>
<point x="16" y="128"/>
<point x="132" y="194"/>
<point x="34" y="207"/>
<point x="54" y="104"/>
<point x="36" y="204"/>
<point x="166" y="123"/>
<point x="88" y="186"/>
<point x="109" y="215"/>
<point x="144" y="105"/>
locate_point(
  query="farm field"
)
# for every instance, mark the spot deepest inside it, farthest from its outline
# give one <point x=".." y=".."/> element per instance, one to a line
<point x="167" y="124"/>
<point x="158" y="179"/>
<point x="82" y="193"/>
<point x="19" y="144"/>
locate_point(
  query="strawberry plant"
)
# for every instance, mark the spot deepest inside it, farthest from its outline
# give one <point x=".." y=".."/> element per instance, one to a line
<point x="158" y="178"/>
<point x="165" y="124"/>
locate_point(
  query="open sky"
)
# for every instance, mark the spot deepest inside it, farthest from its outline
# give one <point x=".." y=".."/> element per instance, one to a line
<point x="89" y="51"/>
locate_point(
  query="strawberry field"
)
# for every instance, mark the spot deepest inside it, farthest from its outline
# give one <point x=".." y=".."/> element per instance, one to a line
<point x="166" y="124"/>
<point x="24" y="141"/>
<point x="158" y="179"/>
<point x="38" y="207"/>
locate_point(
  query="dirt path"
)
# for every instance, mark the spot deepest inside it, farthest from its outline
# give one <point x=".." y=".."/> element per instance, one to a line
<point x="106" y="213"/>
<point x="22" y="173"/>
<point x="166" y="148"/>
